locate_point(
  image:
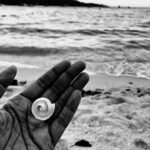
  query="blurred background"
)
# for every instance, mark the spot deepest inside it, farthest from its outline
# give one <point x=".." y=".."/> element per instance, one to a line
<point x="112" y="40"/>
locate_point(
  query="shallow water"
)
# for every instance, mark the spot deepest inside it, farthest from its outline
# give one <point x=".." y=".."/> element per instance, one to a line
<point x="114" y="41"/>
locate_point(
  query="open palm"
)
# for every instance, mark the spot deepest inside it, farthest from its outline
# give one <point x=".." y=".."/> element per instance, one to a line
<point x="18" y="127"/>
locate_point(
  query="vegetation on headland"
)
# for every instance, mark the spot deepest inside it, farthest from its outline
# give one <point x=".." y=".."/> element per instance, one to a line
<point x="74" y="3"/>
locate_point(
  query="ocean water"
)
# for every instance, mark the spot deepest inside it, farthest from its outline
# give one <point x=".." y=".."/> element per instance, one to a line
<point x="114" y="41"/>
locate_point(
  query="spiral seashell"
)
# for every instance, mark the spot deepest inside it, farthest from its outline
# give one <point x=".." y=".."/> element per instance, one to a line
<point x="42" y="108"/>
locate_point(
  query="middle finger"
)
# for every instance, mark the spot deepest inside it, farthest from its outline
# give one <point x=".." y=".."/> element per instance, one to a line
<point x="64" y="81"/>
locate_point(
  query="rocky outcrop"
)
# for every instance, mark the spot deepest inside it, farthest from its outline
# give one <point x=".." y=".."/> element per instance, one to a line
<point x="50" y="3"/>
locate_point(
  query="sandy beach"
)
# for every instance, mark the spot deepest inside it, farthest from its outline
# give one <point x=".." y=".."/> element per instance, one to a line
<point x="113" y="114"/>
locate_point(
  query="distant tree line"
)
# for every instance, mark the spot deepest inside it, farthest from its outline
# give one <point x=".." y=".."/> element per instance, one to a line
<point x="49" y="3"/>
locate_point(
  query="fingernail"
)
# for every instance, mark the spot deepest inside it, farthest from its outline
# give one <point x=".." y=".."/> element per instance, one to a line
<point x="10" y="71"/>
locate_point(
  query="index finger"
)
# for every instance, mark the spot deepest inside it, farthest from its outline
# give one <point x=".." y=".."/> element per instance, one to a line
<point x="46" y="80"/>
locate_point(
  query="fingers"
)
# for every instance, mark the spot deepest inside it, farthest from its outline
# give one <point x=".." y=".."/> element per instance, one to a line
<point x="64" y="81"/>
<point x="6" y="77"/>
<point x="59" y="125"/>
<point x="78" y="84"/>
<point x="66" y="106"/>
<point x="40" y="85"/>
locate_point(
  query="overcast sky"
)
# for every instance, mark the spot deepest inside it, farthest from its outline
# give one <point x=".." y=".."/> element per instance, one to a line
<point x="136" y="3"/>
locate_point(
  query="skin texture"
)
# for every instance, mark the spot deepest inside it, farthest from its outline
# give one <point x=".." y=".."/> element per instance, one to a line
<point x="19" y="130"/>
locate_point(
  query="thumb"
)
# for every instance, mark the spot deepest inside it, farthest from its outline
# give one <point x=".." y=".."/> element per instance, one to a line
<point x="6" y="77"/>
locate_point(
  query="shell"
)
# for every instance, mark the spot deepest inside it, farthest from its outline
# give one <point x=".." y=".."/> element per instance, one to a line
<point x="42" y="108"/>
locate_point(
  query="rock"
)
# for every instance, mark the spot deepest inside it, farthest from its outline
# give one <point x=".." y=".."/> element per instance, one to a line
<point x="14" y="82"/>
<point x="141" y="144"/>
<point x="129" y="117"/>
<point x="130" y="82"/>
<point x="92" y="92"/>
<point x="83" y="143"/>
<point x="138" y="90"/>
<point x="127" y="89"/>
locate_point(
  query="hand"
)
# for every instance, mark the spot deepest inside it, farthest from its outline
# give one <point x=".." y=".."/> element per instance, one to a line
<point x="19" y="129"/>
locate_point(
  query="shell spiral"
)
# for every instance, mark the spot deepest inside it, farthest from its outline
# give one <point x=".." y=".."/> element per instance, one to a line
<point x="42" y="108"/>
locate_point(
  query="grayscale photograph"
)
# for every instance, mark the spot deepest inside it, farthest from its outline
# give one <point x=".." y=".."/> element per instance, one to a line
<point x="74" y="74"/>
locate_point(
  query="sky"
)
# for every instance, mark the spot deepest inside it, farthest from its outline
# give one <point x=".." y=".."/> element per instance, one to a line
<point x="131" y="3"/>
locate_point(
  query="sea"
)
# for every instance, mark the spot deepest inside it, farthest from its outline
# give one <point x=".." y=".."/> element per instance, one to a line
<point x="115" y="41"/>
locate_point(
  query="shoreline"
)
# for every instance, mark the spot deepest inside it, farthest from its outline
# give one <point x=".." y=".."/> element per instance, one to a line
<point x="97" y="80"/>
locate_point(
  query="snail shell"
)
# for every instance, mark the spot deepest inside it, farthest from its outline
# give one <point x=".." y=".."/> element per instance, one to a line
<point x="42" y="108"/>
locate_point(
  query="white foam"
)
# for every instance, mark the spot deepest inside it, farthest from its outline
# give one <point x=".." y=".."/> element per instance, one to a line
<point x="19" y="65"/>
<point x="90" y="72"/>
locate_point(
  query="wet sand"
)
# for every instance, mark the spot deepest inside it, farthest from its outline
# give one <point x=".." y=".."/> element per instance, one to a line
<point x="114" y="114"/>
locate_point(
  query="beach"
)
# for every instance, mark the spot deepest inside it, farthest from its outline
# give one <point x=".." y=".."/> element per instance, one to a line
<point x="115" y="118"/>
<point x="115" y="45"/>
<point x="113" y="113"/>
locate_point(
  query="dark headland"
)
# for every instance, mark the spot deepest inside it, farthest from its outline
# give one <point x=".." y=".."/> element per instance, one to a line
<point x="72" y="3"/>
